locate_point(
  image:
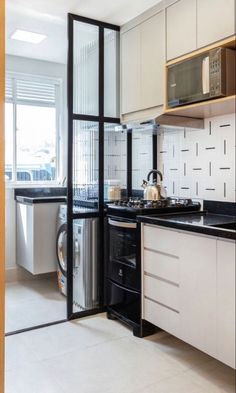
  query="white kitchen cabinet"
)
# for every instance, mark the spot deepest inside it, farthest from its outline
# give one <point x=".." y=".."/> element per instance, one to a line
<point x="188" y="288"/>
<point x="161" y="316"/>
<point x="162" y="240"/>
<point x="36" y="237"/>
<point x="130" y="70"/>
<point x="142" y="65"/>
<point x="226" y="302"/>
<point x="215" y="20"/>
<point x="181" y="32"/>
<point x="160" y="279"/>
<point x="198" y="291"/>
<point x="152" y="61"/>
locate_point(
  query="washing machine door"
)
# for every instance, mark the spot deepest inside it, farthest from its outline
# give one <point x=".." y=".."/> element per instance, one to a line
<point x="61" y="249"/>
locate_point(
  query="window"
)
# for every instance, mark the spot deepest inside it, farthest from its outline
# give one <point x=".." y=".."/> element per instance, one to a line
<point x="32" y="128"/>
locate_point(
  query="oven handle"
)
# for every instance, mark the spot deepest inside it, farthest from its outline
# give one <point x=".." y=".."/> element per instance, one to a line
<point x="123" y="288"/>
<point x="122" y="224"/>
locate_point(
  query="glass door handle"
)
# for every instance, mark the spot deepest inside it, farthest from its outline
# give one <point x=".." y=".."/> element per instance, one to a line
<point x="77" y="253"/>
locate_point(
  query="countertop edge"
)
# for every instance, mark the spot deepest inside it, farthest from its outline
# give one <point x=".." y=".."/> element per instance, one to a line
<point x="37" y="200"/>
<point x="207" y="230"/>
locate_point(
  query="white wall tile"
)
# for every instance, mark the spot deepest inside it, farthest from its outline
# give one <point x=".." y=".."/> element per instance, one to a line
<point x="199" y="163"/>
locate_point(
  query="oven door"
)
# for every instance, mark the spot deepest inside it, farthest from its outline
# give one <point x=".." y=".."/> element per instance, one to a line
<point x="123" y="265"/>
<point x="123" y="302"/>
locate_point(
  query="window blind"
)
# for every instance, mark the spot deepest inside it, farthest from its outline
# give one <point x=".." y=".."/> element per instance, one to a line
<point x="30" y="91"/>
<point x="9" y="89"/>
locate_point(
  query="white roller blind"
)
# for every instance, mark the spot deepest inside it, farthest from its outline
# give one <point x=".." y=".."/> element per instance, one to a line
<point x="9" y="89"/>
<point x="31" y="90"/>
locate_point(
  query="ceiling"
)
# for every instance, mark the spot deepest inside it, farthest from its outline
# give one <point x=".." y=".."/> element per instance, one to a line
<point x="49" y="17"/>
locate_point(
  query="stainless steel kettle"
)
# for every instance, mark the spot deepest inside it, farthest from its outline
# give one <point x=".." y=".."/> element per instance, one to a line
<point x="153" y="191"/>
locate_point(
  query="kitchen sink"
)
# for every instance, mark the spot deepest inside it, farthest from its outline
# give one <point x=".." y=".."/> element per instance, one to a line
<point x="229" y="225"/>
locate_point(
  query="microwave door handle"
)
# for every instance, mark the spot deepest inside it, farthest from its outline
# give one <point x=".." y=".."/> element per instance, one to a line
<point x="206" y="75"/>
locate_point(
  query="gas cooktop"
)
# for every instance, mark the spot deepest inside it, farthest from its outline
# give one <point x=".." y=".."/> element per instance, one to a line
<point x="137" y="206"/>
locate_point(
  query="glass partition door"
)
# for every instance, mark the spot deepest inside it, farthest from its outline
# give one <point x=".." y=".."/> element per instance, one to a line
<point x="93" y="106"/>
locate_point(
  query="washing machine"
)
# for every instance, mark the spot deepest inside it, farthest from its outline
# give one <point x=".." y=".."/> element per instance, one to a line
<point x="61" y="248"/>
<point x="85" y="260"/>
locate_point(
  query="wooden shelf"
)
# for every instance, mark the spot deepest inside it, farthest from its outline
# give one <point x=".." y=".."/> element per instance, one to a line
<point x="202" y="110"/>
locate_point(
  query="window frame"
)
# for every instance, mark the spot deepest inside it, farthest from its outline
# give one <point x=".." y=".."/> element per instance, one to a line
<point x="59" y="118"/>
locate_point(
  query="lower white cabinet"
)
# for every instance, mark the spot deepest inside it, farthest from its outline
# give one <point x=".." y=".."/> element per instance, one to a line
<point x="226" y="302"/>
<point x="162" y="316"/>
<point x="198" y="291"/>
<point x="193" y="296"/>
<point x="36" y="237"/>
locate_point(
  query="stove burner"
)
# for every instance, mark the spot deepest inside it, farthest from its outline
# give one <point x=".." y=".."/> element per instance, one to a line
<point x="137" y="203"/>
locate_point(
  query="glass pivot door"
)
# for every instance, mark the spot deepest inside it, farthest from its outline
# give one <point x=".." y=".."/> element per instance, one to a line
<point x="93" y="101"/>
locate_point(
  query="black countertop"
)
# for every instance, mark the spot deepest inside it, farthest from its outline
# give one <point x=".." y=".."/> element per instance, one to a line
<point x="43" y="199"/>
<point x="199" y="222"/>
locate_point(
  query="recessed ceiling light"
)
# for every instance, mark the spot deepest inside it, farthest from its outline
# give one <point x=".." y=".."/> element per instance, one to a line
<point x="28" y="36"/>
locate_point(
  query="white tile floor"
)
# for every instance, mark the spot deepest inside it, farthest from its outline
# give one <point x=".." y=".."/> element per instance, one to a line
<point x="96" y="355"/>
<point x="33" y="302"/>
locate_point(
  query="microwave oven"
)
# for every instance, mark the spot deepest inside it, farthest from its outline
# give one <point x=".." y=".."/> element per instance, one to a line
<point x="205" y="76"/>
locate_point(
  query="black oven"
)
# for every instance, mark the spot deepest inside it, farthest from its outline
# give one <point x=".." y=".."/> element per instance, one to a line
<point x="123" y="270"/>
<point x="123" y="259"/>
<point x="123" y="274"/>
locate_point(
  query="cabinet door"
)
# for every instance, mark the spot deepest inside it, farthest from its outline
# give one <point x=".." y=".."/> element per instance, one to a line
<point x="130" y="70"/>
<point x="152" y="61"/>
<point x="181" y="28"/>
<point x="198" y="292"/>
<point x="226" y="302"/>
<point x="215" y="20"/>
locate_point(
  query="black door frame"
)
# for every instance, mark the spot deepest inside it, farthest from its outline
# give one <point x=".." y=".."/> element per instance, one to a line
<point x="100" y="119"/>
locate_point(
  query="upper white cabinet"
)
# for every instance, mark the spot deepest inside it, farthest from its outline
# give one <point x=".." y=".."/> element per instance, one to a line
<point x="166" y="34"/>
<point x="215" y="20"/>
<point x="226" y="302"/>
<point x="130" y="70"/>
<point x="192" y="24"/>
<point x="142" y="65"/>
<point x="181" y="28"/>
<point x="152" y="61"/>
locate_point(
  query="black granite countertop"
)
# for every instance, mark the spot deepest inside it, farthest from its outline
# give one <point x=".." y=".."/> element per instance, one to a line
<point x="31" y="195"/>
<point x="43" y="199"/>
<point x="200" y="222"/>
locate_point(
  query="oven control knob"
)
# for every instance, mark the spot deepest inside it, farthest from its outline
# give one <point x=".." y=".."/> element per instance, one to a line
<point x="120" y="273"/>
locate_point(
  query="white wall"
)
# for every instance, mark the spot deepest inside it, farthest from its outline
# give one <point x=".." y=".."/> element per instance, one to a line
<point x="40" y="68"/>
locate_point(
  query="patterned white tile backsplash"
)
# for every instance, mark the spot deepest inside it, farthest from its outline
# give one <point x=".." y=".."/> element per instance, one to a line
<point x="142" y="157"/>
<point x="199" y="163"/>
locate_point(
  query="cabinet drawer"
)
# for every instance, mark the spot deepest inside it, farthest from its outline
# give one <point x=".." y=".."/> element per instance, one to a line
<point x="162" y="240"/>
<point x="161" y="265"/>
<point x="161" y="291"/>
<point x="162" y="317"/>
